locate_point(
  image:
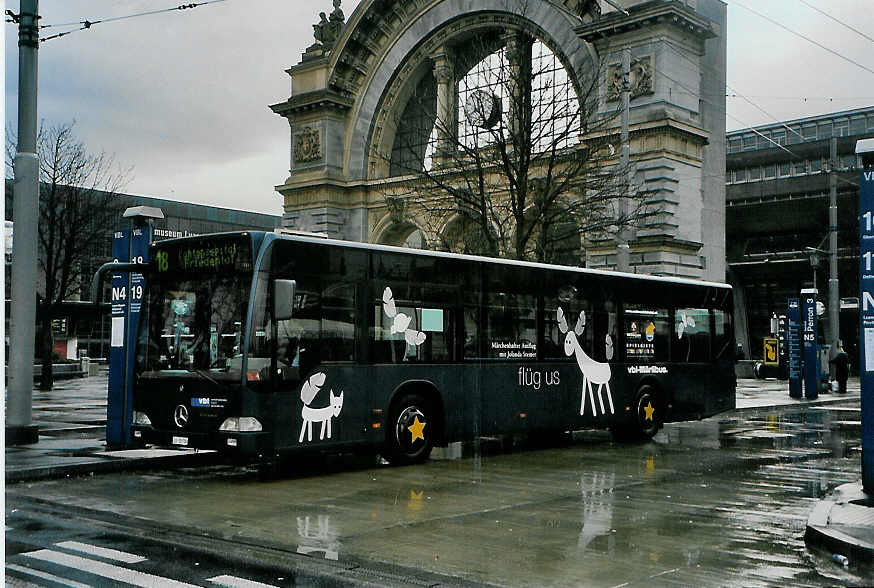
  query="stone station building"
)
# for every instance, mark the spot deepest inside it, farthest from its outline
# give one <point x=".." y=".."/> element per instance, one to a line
<point x="353" y="103"/>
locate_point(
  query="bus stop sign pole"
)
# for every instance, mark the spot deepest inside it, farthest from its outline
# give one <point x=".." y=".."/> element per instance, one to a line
<point x="810" y="346"/>
<point x="128" y="289"/>
<point x="865" y="148"/>
<point x="793" y="343"/>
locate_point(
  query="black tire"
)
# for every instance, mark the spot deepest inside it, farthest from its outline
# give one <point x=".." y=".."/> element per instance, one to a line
<point x="646" y="417"/>
<point x="411" y="431"/>
<point x="648" y="412"/>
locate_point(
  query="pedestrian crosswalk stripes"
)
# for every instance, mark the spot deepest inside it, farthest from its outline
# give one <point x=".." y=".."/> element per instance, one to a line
<point x="105" y="570"/>
<point x="234" y="582"/>
<point x="25" y="571"/>
<point x="103" y="552"/>
<point x="39" y="564"/>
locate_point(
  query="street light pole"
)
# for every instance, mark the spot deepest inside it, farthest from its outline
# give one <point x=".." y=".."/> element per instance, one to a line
<point x="623" y="262"/>
<point x="834" y="301"/>
<point x="25" y="215"/>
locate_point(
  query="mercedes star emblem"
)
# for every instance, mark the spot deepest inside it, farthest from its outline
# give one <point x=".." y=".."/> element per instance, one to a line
<point x="180" y="416"/>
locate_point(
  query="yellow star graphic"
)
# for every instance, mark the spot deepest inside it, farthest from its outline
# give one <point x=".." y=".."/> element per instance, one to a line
<point x="649" y="411"/>
<point x="416" y="430"/>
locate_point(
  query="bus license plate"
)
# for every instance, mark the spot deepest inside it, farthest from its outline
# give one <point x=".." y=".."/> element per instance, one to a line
<point x="180" y="440"/>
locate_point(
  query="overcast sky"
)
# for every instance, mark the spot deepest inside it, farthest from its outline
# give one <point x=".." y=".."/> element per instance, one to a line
<point x="183" y="96"/>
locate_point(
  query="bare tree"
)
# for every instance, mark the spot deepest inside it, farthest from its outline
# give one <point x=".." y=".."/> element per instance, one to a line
<point x="77" y="201"/>
<point x="526" y="162"/>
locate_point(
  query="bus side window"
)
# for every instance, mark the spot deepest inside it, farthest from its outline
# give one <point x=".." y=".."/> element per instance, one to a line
<point x="553" y="338"/>
<point x="471" y="333"/>
<point x="723" y="343"/>
<point x="337" y="337"/>
<point x="511" y="326"/>
<point x="691" y="335"/>
<point x="604" y="347"/>
<point x="298" y="337"/>
<point x="418" y="331"/>
<point x="647" y="334"/>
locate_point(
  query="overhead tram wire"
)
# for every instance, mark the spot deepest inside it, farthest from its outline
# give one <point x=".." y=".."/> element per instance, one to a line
<point x="677" y="50"/>
<point x="725" y="111"/>
<point x="803" y="36"/>
<point x="746" y="126"/>
<point x="87" y="24"/>
<point x="693" y="92"/>
<point x="808" y="98"/>
<point x="840" y="22"/>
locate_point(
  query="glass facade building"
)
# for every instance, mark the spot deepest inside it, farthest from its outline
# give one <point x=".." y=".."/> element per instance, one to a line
<point x="777" y="219"/>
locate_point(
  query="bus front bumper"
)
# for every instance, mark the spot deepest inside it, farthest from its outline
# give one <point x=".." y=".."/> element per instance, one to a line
<point x="238" y="443"/>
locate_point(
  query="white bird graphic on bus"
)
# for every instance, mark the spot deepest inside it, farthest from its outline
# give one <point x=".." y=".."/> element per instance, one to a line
<point x="322" y="415"/>
<point x="401" y="322"/>
<point x="593" y="371"/>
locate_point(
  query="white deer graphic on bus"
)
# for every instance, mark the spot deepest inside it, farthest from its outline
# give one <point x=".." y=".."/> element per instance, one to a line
<point x="322" y="415"/>
<point x="593" y="371"/>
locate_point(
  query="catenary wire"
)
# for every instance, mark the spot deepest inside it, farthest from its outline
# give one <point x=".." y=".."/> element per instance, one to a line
<point x="724" y="111"/>
<point x="803" y="36"/>
<point x="677" y="50"/>
<point x="87" y="24"/>
<point x="840" y="22"/>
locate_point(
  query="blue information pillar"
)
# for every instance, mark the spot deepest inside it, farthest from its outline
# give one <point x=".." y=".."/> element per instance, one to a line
<point x="127" y="296"/>
<point x="115" y="406"/>
<point x="866" y="323"/>
<point x="810" y="346"/>
<point x="793" y="345"/>
<point x="782" y="336"/>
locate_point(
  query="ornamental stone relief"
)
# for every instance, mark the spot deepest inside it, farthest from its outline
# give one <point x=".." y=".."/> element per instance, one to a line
<point x="308" y="146"/>
<point x="640" y="82"/>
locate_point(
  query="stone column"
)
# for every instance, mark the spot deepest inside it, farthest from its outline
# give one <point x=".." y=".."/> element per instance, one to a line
<point x="518" y="49"/>
<point x="447" y="108"/>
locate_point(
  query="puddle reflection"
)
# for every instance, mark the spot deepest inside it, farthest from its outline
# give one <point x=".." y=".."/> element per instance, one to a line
<point x="318" y="535"/>
<point x="596" y="489"/>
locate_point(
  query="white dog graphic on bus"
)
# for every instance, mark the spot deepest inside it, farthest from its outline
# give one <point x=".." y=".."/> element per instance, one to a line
<point x="322" y="415"/>
<point x="593" y="371"/>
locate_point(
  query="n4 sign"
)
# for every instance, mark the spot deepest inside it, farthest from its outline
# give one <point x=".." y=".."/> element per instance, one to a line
<point x="120" y="292"/>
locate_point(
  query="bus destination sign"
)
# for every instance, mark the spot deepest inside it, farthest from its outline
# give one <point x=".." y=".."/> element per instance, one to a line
<point x="211" y="256"/>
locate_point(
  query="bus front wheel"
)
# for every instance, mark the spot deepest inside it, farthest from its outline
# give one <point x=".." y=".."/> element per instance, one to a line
<point x="411" y="436"/>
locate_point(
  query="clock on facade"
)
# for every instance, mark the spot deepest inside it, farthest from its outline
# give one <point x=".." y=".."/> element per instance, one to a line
<point x="482" y="109"/>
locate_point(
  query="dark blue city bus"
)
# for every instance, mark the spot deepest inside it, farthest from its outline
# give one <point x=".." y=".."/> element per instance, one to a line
<point x="261" y="345"/>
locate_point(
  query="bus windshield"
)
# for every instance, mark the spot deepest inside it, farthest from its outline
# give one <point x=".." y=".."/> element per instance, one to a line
<point x="194" y="323"/>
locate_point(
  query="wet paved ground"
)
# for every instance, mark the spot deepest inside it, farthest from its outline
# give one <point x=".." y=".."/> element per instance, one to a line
<point x="722" y="502"/>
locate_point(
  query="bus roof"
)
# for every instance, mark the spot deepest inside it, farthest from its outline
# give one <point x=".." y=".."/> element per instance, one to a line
<point x="319" y="240"/>
<point x="492" y="260"/>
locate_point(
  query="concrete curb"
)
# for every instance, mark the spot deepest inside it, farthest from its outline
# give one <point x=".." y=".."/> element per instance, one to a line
<point x="833" y="537"/>
<point x="110" y="464"/>
<point x="748" y="405"/>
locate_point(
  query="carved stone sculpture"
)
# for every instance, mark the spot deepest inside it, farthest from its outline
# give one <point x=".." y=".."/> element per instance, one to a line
<point x="308" y="146"/>
<point x="328" y="29"/>
<point x="640" y="82"/>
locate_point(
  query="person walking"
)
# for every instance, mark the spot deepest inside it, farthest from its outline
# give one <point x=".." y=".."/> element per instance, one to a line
<point x="841" y="362"/>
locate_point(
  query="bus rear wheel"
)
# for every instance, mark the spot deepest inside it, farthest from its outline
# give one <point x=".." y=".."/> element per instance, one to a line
<point x="646" y="417"/>
<point x="411" y="433"/>
<point x="647" y="412"/>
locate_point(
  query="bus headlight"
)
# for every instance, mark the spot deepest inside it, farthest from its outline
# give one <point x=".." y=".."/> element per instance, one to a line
<point x="241" y="425"/>
<point x="141" y="418"/>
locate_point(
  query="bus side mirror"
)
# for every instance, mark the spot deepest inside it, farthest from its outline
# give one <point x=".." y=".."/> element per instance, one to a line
<point x="283" y="299"/>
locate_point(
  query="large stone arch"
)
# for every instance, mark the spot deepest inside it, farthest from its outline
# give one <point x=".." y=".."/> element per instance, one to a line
<point x="348" y="83"/>
<point x="430" y="24"/>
